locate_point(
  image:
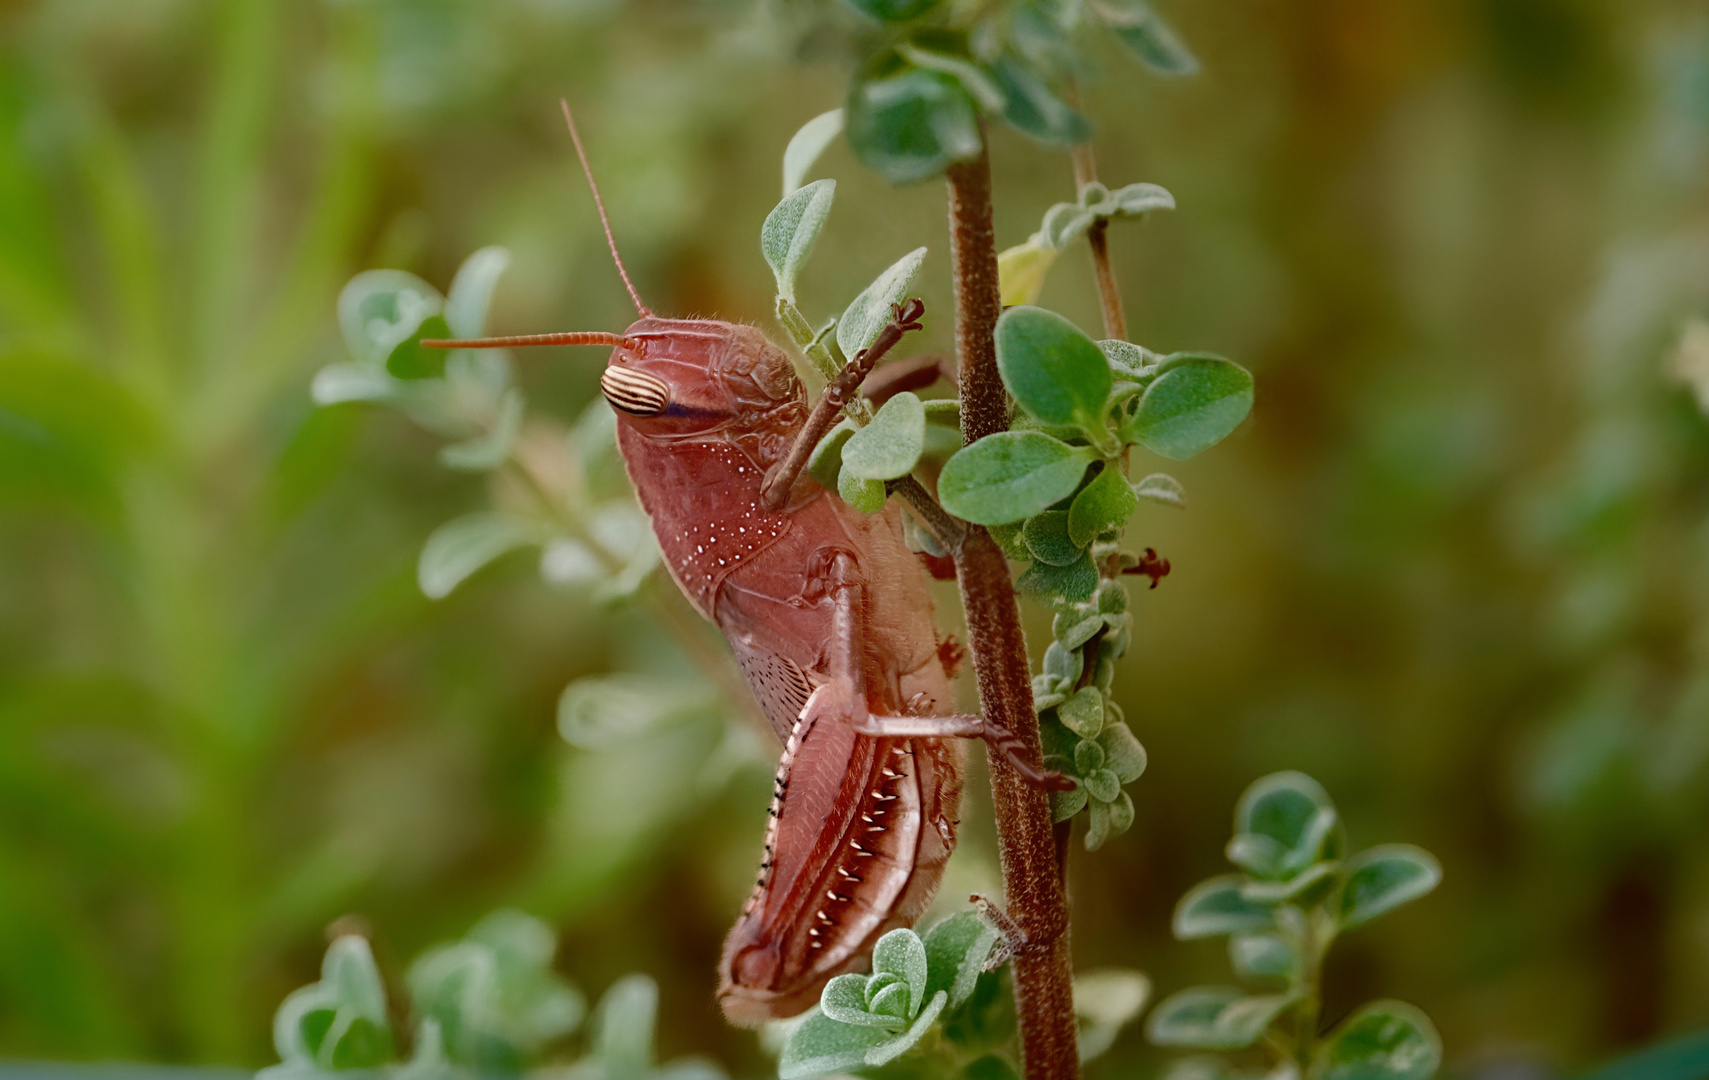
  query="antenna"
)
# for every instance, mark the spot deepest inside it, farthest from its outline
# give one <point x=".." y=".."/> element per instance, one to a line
<point x="523" y="341"/>
<point x="611" y="241"/>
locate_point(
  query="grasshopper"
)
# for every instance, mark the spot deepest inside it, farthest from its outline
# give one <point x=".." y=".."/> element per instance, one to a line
<point x="830" y="620"/>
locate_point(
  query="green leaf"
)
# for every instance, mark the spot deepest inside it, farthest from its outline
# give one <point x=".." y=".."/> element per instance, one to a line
<point x="956" y="951"/>
<point x="1055" y="372"/>
<point x="1122" y="752"/>
<point x="1106" y="503"/>
<point x="1216" y="907"/>
<point x="1191" y="406"/>
<point x="463" y="545"/>
<point x="1064" y="223"/>
<point x="1031" y="106"/>
<point x="1384" y="1040"/>
<point x="1147" y="36"/>
<point x="339" y="1022"/>
<point x="380" y="309"/>
<point x="844" y="1000"/>
<point x="1283" y="823"/>
<point x="909" y="124"/>
<point x="1136" y="199"/>
<point x="1074" y="629"/>
<point x="1263" y="955"/>
<point x="787" y="237"/>
<point x="1010" y="476"/>
<point x="488" y="451"/>
<point x="895" y="1048"/>
<point x="1084" y="713"/>
<point x="822" y="1045"/>
<point x="902" y="953"/>
<point x="1073" y="583"/>
<point x="950" y="58"/>
<point x="826" y="461"/>
<point x="1385" y="877"/>
<point x="806" y="145"/>
<point x="867" y="496"/>
<point x="891" y="1001"/>
<point x="1129" y="361"/>
<point x="1102" y="785"/>
<point x="893" y="11"/>
<point x="623" y="1023"/>
<point x="1163" y="488"/>
<point x="943" y="412"/>
<point x="1105" y="1001"/>
<point x="1046" y="537"/>
<point x="870" y="312"/>
<point x="889" y="447"/>
<point x="1213" y="1018"/>
<point x="472" y="291"/>
<point x="1107" y="819"/>
<point x="1305" y="887"/>
<point x="411" y="360"/>
<point x="601" y="712"/>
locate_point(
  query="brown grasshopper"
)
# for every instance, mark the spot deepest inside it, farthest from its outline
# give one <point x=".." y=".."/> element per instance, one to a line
<point x="830" y="620"/>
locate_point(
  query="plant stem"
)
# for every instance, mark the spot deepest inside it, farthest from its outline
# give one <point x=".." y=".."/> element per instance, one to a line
<point x="1032" y="885"/>
<point x="1109" y="292"/>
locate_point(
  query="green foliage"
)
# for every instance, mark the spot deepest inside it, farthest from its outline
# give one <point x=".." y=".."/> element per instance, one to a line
<point x="806" y="145"/>
<point x="486" y="1007"/>
<point x="790" y="230"/>
<point x="1054" y="371"/>
<point x="908" y="123"/>
<point x="891" y="445"/>
<point x="1011" y="476"/>
<point x="870" y="312"/>
<point x="339" y="1023"/>
<point x="1193" y="404"/>
<point x="1281" y="916"/>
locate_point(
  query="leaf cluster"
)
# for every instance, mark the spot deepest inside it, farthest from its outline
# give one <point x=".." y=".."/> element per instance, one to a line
<point x="1297" y="890"/>
<point x="489" y="1005"/>
<point x="562" y="493"/>
<point x="934" y="72"/>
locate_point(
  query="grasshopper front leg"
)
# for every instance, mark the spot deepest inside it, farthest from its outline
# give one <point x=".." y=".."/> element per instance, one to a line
<point x="844" y="698"/>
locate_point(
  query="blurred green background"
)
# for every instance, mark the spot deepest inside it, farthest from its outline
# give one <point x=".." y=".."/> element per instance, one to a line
<point x="1456" y="565"/>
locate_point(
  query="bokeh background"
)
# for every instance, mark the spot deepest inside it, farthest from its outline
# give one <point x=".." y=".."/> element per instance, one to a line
<point x="1456" y="565"/>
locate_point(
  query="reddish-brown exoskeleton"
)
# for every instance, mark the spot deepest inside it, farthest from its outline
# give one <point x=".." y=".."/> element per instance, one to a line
<point x="830" y="620"/>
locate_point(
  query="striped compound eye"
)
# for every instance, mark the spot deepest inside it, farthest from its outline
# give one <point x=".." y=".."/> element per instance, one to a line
<point x="635" y="392"/>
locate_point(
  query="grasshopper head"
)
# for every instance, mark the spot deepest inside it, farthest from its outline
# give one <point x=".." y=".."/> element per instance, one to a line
<point x="673" y="378"/>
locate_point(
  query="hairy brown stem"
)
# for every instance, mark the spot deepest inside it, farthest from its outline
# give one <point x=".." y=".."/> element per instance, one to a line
<point x="1026" y="842"/>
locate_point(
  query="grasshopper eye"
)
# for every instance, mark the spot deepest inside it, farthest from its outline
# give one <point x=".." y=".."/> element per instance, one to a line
<point x="635" y="392"/>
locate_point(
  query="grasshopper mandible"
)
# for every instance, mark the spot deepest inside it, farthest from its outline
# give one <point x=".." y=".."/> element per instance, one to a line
<point x="830" y="620"/>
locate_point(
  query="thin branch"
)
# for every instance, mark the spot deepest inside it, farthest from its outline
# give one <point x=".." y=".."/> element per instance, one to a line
<point x="1109" y="292"/>
<point x="1026" y="842"/>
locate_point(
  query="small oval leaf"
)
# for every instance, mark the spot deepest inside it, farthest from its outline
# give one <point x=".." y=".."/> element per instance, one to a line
<point x="890" y="446"/>
<point x="1385" y="1040"/>
<point x="1106" y="503"/>
<point x="1217" y="907"/>
<point x="463" y="545"/>
<point x="1192" y="406"/>
<point x="787" y="237"/>
<point x="1010" y="476"/>
<point x="1055" y="372"/>
<point x="909" y="124"/>
<point x="870" y="312"/>
<point x="1385" y="877"/>
<point x="806" y="146"/>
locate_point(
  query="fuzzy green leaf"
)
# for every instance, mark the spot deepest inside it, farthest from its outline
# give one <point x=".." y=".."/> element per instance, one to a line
<point x="870" y="312"/>
<point x="1105" y="819"/>
<point x="1084" y="712"/>
<point x="1122" y="752"/>
<point x="908" y="123"/>
<point x="1055" y="372"/>
<point x="1106" y="503"/>
<point x="1217" y="907"/>
<point x="902" y="953"/>
<point x="1074" y="583"/>
<point x="787" y="237"/>
<point x="1384" y="1040"/>
<point x="890" y="446"/>
<point x="1385" y="877"/>
<point x="1163" y="488"/>
<point x="1283" y="823"/>
<point x="956" y="951"/>
<point x="1073" y="629"/>
<point x="823" y="1045"/>
<point x="826" y="461"/>
<point x="1105" y="1001"/>
<point x="1191" y="406"/>
<point x="806" y="145"/>
<point x="1136" y="199"/>
<point x="1263" y="955"/>
<point x="1030" y="105"/>
<point x="1213" y="1018"/>
<point x="1010" y="476"/>
<point x="867" y="496"/>
<point x="844" y="1000"/>
<point x="463" y="545"/>
<point x="1046" y="537"/>
<point x="379" y="309"/>
<point x="1147" y="36"/>
<point x="472" y="291"/>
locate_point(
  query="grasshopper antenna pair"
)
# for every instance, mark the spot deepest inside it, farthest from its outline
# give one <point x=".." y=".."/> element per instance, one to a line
<point x="577" y="337"/>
